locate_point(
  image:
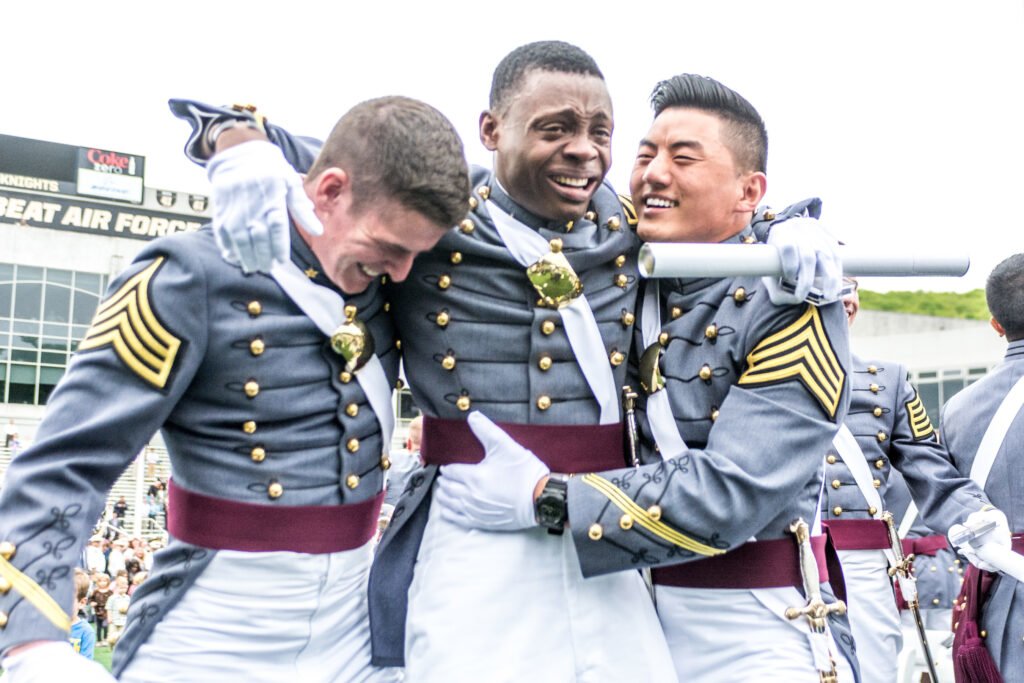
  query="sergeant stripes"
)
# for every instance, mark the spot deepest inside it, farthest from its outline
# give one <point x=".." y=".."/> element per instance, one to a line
<point x="127" y="322"/>
<point x="917" y="416"/>
<point x="800" y="351"/>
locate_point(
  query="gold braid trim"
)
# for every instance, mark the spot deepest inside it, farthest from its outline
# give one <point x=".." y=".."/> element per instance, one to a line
<point x="34" y="593"/>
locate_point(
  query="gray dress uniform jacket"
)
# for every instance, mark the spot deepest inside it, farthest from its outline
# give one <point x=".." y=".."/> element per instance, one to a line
<point x="965" y="417"/>
<point x="251" y="400"/>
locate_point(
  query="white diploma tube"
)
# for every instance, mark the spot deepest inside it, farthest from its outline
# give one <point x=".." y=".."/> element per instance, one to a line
<point x="664" y="259"/>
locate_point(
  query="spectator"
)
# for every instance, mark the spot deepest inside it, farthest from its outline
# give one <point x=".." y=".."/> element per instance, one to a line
<point x="404" y="464"/>
<point x="116" y="558"/>
<point x="82" y="637"/>
<point x="100" y="594"/>
<point x="117" y="608"/>
<point x="95" y="561"/>
<point x="10" y="433"/>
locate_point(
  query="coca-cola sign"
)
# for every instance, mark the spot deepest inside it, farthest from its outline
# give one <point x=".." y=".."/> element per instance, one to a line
<point x="109" y="174"/>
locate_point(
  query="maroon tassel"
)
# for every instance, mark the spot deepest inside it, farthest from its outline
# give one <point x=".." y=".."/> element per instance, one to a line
<point x="972" y="662"/>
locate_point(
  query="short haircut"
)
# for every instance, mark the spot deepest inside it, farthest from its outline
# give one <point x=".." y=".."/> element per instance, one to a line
<point x="1004" y="292"/>
<point x="744" y="131"/>
<point x="400" y="149"/>
<point x="82" y="584"/>
<point x="545" y="55"/>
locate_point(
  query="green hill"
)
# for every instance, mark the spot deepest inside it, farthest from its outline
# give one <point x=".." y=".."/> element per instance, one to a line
<point x="969" y="305"/>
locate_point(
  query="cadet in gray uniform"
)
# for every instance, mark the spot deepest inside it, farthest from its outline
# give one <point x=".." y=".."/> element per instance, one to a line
<point x="887" y="427"/>
<point x="965" y="420"/>
<point x="276" y="448"/>
<point x="740" y="399"/>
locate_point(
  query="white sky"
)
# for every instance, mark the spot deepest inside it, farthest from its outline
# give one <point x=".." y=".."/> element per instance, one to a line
<point x="905" y="117"/>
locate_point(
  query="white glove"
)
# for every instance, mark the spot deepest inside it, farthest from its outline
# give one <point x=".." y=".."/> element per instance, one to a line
<point x="999" y="536"/>
<point x="53" y="661"/>
<point x="497" y="493"/>
<point x="811" y="267"/>
<point x="253" y="189"/>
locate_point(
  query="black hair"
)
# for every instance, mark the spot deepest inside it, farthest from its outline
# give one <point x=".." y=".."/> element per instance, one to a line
<point x="545" y="55"/>
<point x="1004" y="293"/>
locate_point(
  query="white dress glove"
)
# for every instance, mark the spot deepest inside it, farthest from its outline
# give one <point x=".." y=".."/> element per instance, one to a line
<point x="497" y="493"/>
<point x="53" y="661"/>
<point x="253" y="189"/>
<point x="999" y="536"/>
<point x="811" y="267"/>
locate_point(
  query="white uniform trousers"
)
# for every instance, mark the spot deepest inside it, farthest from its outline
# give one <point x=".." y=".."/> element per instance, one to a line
<point x="874" y="619"/>
<point x="494" y="607"/>
<point x="267" y="617"/>
<point x="728" y="634"/>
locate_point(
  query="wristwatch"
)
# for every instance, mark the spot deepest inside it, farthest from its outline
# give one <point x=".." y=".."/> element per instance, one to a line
<point x="551" y="506"/>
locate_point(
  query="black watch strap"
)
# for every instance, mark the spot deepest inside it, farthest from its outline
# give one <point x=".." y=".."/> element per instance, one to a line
<point x="551" y="506"/>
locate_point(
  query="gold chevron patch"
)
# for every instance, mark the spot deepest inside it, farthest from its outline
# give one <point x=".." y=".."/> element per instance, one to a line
<point x="643" y="518"/>
<point x="628" y="209"/>
<point x="800" y="351"/>
<point x="127" y="322"/>
<point x="917" y="416"/>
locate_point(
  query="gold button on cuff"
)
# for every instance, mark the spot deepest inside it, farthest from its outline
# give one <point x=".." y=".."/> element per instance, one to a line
<point x="616" y="358"/>
<point x="837" y="511"/>
<point x="352" y="409"/>
<point x="467" y="226"/>
<point x="463" y="403"/>
<point x="5" y="586"/>
<point x="874" y="388"/>
<point x="714" y="414"/>
<point x="836" y="483"/>
<point x="628" y="319"/>
<point x="663" y="338"/>
<point x="595" y="532"/>
<point x="444" y="282"/>
<point x="352" y="445"/>
<point x="873" y="370"/>
<point x="448" y="362"/>
<point x="257" y="347"/>
<point x="258" y="454"/>
<point x="711" y="331"/>
<point x="543" y="402"/>
<point x="345" y="377"/>
<point x="251" y="388"/>
<point x="614" y="223"/>
<point x="249" y="427"/>
<point x="385" y="462"/>
<point x="275" y="490"/>
<point x="254" y="308"/>
<point x="352" y="481"/>
<point x="879" y="464"/>
<point x="456" y="257"/>
<point x="705" y="372"/>
<point x="442" y="319"/>
<point x="547" y="327"/>
<point x="831" y="459"/>
<point x="7" y="550"/>
<point x="621" y="281"/>
<point x="882" y="436"/>
<point x="620" y="260"/>
<point x="484" y="192"/>
<point x="3" y="619"/>
<point x="626" y="522"/>
<point x="872" y="510"/>
<point x="654" y="512"/>
<point x="740" y="295"/>
<point x="544" y="363"/>
<point x="877" y="412"/>
<point x="877" y="483"/>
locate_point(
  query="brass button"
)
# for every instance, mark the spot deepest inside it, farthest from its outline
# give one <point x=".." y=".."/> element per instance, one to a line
<point x="7" y="550"/>
<point x="258" y="454"/>
<point x="275" y="490"/>
<point x="547" y="327"/>
<point x="740" y="295"/>
<point x="484" y="192"/>
<point x="399" y="384"/>
<point x="769" y="215"/>
<point x="352" y="445"/>
<point x="555" y="244"/>
<point x="749" y="239"/>
<point x="5" y="586"/>
<point x="831" y="459"/>
<point x="350" y="311"/>
<point x="836" y="483"/>
<point x="676" y="312"/>
<point x="352" y="409"/>
<point x="456" y="257"/>
<point x="3" y="619"/>
<point x="251" y="388"/>
<point x="473" y="203"/>
<point x="466" y="226"/>
<point x="345" y="377"/>
<point x="882" y="436"/>
<point x="873" y="370"/>
<point x="663" y="338"/>
<point x="398" y="344"/>
<point x="879" y="464"/>
<point x="385" y="462"/>
<point x="614" y="223"/>
<point x="620" y="260"/>
<point x="872" y="510"/>
<point x="442" y="319"/>
<point x="936" y="601"/>
<point x="711" y="331"/>
<point x="256" y="347"/>
<point x="874" y="388"/>
<point x="544" y="363"/>
<point x="877" y="483"/>
<point x="254" y="308"/>
<point x="714" y="414"/>
<point x="626" y="522"/>
<point x="595" y="532"/>
<point x="705" y="372"/>
<point x="249" y="427"/>
<point x="543" y="402"/>
<point x="628" y="319"/>
<point x="621" y="280"/>
<point x="463" y="403"/>
<point x="837" y="511"/>
<point x="352" y="481"/>
<point x="590" y="216"/>
<point x="616" y="358"/>
<point x="387" y="306"/>
<point x="654" y="512"/>
<point x="448" y="362"/>
<point x="877" y="412"/>
<point x="444" y="282"/>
